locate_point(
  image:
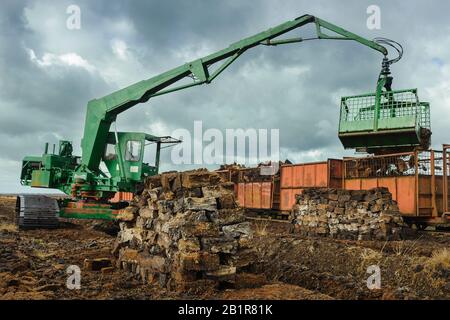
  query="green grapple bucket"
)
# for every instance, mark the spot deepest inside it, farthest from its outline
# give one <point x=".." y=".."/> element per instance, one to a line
<point x="391" y="121"/>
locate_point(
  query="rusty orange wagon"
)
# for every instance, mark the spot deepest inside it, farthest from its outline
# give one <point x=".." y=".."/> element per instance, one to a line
<point x="418" y="181"/>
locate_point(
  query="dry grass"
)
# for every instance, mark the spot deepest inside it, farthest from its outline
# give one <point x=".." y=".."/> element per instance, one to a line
<point x="440" y="258"/>
<point x="8" y="227"/>
<point x="399" y="248"/>
<point x="370" y="257"/>
<point x="430" y="276"/>
<point x="403" y="248"/>
<point x="261" y="228"/>
<point x="42" y="255"/>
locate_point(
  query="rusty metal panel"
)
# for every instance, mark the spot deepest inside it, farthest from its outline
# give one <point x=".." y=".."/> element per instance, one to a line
<point x="321" y="174"/>
<point x="286" y="176"/>
<point x="352" y="184"/>
<point x="255" y="195"/>
<point x="122" y="196"/>
<point x="406" y="196"/>
<point x="248" y="195"/>
<point x="256" y="191"/>
<point x="309" y="175"/>
<point x="402" y="189"/>
<point x="287" y="198"/>
<point x="298" y="173"/>
<point x="391" y="184"/>
<point x="266" y="195"/>
<point x="295" y="178"/>
<point x="284" y="199"/>
<point x="306" y="175"/>
<point x="367" y="184"/>
<point x="241" y="194"/>
<point x="425" y="194"/>
<point x="439" y="193"/>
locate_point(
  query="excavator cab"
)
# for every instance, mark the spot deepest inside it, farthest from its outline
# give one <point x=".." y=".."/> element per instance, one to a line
<point x="385" y="122"/>
<point x="124" y="155"/>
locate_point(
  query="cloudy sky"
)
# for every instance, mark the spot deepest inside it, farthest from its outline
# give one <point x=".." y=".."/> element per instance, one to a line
<point x="49" y="72"/>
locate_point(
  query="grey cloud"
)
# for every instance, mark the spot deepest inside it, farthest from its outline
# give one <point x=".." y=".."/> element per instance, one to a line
<point x="295" y="88"/>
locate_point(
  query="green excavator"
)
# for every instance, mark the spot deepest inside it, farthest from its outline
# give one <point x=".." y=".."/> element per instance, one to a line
<point x="380" y="122"/>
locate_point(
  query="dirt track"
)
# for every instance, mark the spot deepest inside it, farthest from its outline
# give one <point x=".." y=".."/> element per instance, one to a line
<point x="412" y="269"/>
<point x="33" y="265"/>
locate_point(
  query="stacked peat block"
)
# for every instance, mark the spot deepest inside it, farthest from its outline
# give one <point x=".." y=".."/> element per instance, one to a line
<point x="348" y="214"/>
<point x="184" y="231"/>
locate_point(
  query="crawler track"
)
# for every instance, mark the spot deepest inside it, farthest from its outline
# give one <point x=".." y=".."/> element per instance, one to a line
<point x="36" y="211"/>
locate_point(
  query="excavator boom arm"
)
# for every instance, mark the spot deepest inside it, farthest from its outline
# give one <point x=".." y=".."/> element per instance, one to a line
<point x="102" y="112"/>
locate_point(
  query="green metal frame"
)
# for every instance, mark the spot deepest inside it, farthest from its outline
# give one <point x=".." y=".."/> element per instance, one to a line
<point x="101" y="113"/>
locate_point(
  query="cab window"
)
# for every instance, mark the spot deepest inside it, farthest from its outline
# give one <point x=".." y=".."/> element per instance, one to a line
<point x="133" y="151"/>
